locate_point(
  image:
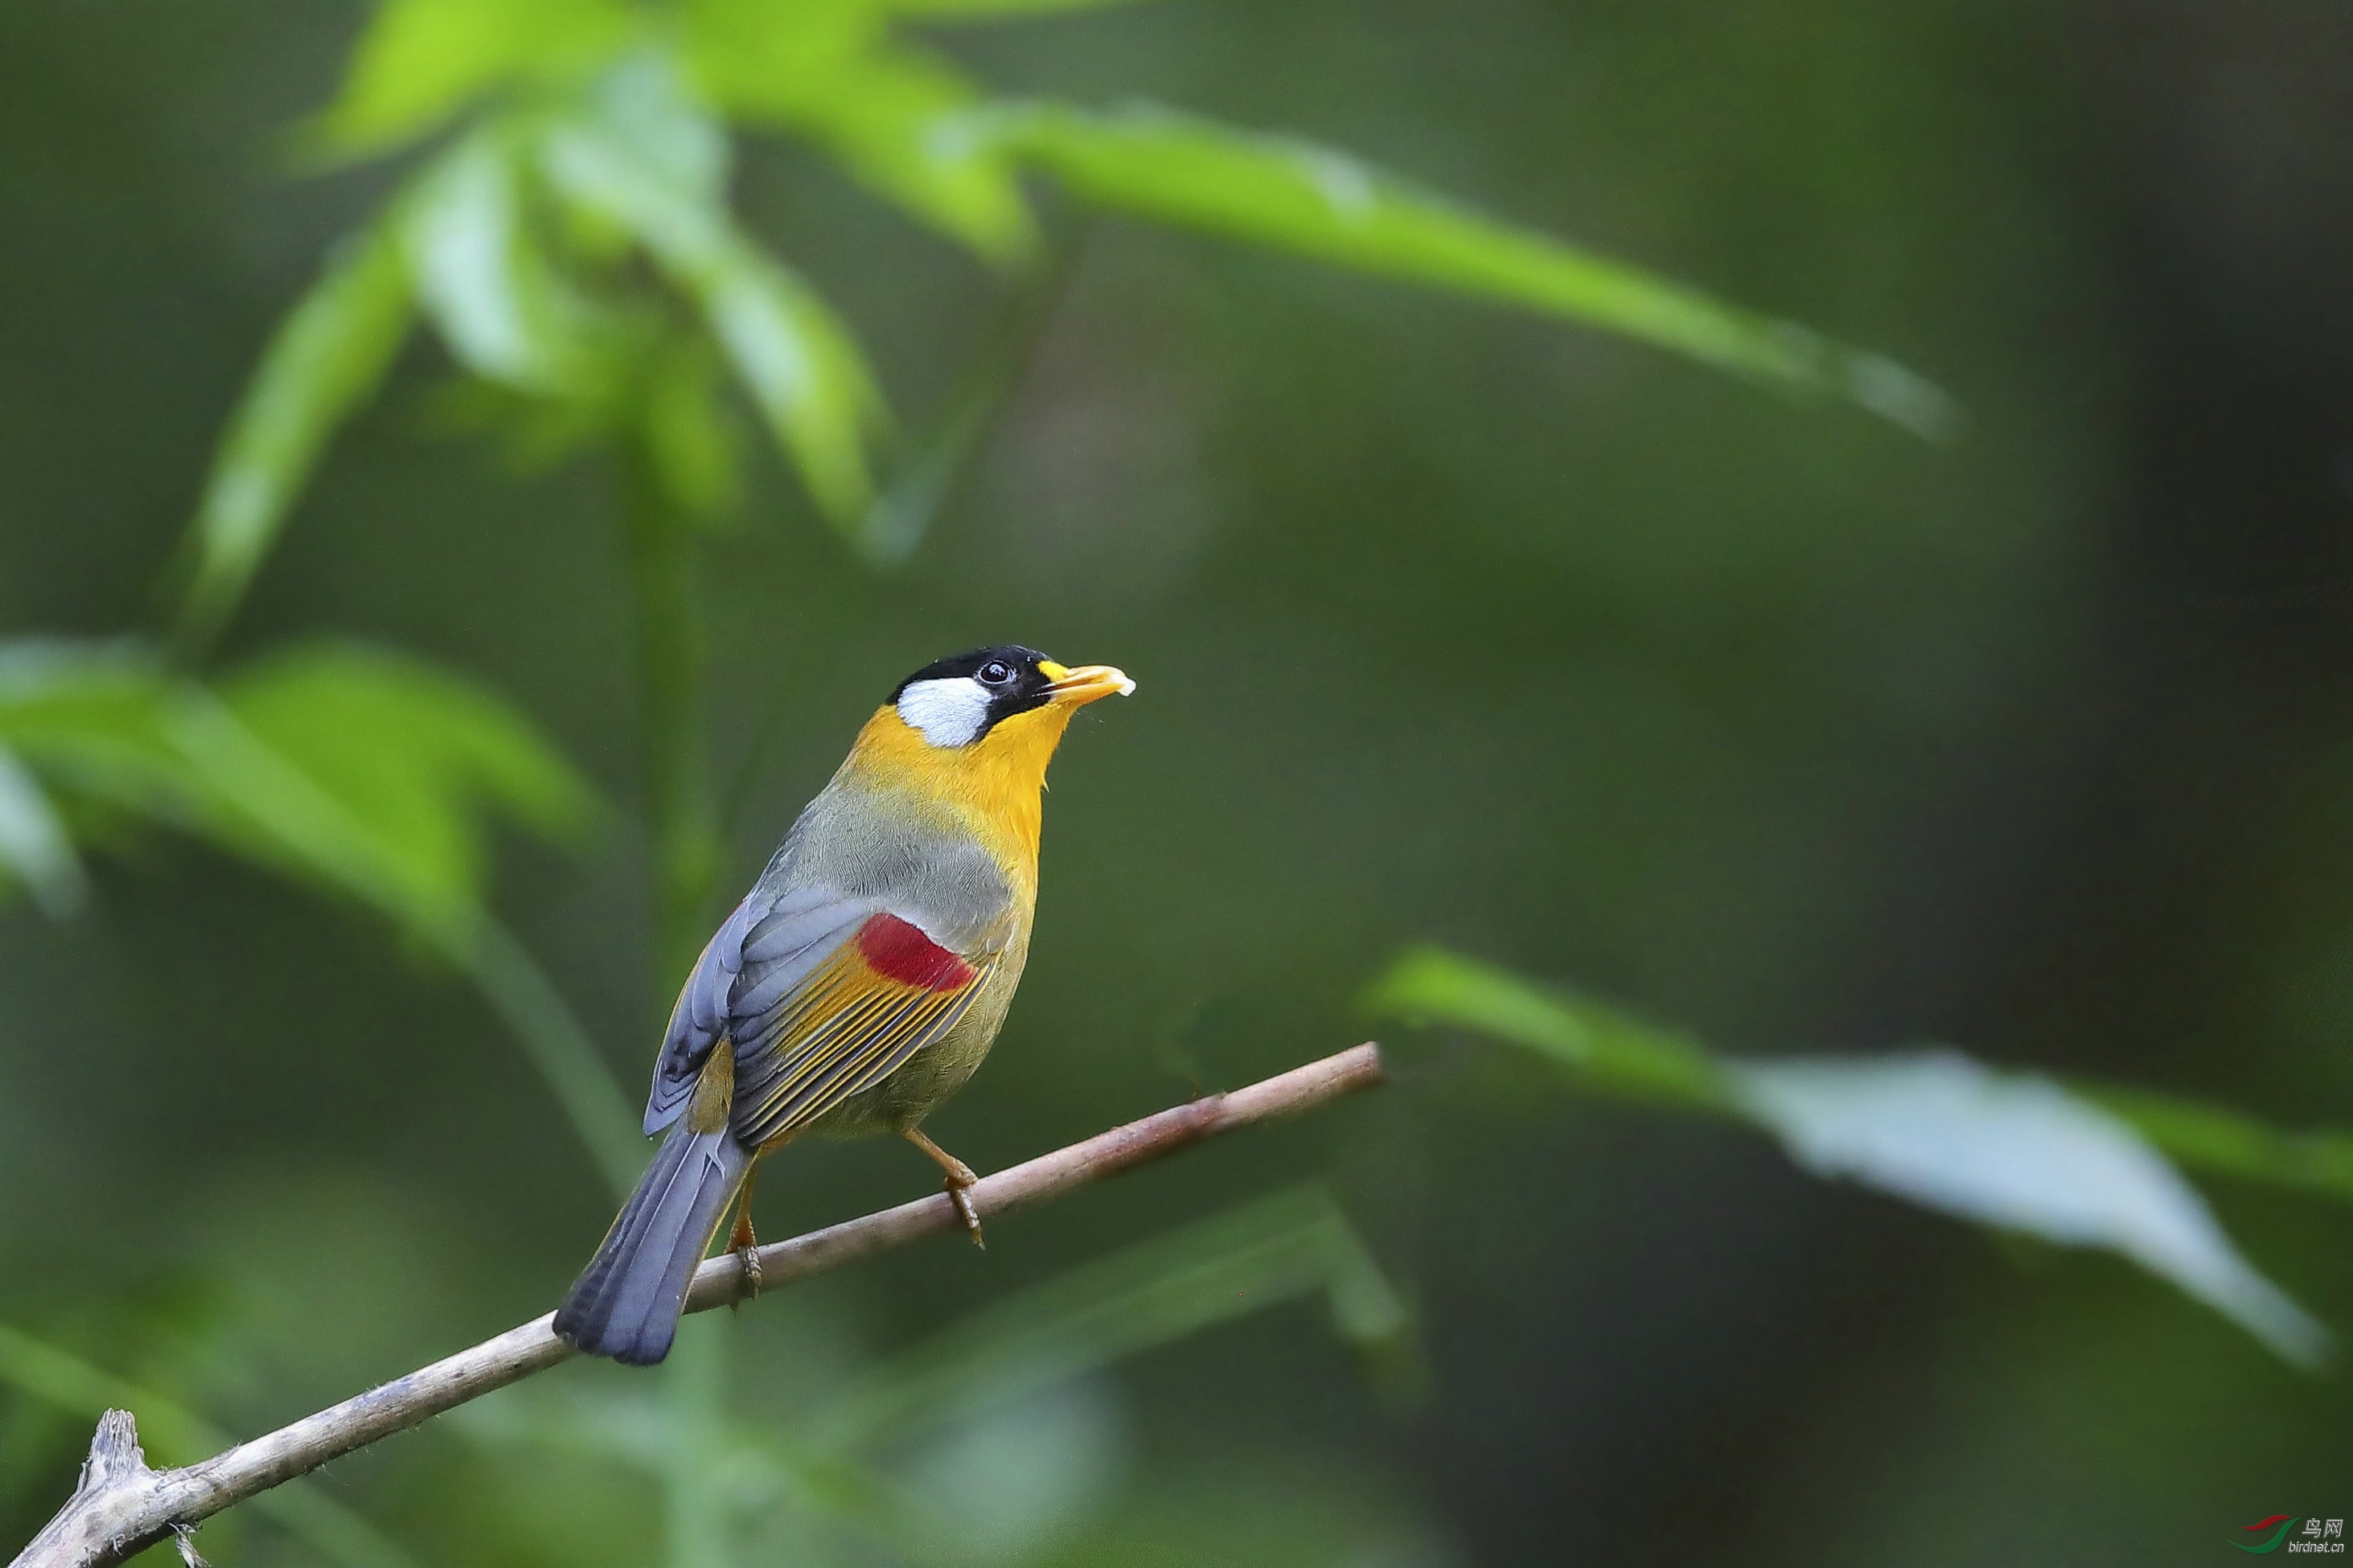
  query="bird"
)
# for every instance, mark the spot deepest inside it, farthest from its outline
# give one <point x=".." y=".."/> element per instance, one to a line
<point x="857" y="985"/>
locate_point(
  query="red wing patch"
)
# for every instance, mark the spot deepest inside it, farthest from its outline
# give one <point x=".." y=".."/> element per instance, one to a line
<point x="898" y="950"/>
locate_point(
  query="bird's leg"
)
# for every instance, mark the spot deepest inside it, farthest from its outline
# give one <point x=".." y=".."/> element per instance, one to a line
<point x="959" y="1183"/>
<point x="745" y="1244"/>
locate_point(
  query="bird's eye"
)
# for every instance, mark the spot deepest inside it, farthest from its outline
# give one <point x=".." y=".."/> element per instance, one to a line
<point x="995" y="672"/>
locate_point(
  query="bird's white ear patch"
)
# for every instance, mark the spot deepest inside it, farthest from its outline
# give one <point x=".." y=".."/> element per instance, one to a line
<point x="950" y="712"/>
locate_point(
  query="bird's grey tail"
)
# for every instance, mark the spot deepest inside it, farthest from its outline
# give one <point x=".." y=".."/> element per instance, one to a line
<point x="625" y="1303"/>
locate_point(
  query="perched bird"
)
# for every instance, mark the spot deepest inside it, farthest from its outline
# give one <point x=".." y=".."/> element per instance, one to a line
<point x="857" y="985"/>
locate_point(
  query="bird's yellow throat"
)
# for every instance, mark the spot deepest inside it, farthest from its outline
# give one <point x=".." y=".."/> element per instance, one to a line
<point x="993" y="783"/>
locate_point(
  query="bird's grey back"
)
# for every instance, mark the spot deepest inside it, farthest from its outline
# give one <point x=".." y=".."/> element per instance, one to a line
<point x="901" y="853"/>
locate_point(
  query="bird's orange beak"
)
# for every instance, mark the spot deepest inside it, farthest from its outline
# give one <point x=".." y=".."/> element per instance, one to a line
<point x="1076" y="688"/>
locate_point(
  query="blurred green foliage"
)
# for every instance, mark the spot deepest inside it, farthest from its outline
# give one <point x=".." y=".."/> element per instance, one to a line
<point x="606" y="142"/>
<point x="1450" y="628"/>
<point x="366" y="776"/>
<point x="2012" y="1149"/>
<point x="359" y="771"/>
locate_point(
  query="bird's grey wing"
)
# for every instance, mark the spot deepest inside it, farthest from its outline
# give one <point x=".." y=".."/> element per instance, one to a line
<point x="774" y="931"/>
<point x="829" y="1002"/>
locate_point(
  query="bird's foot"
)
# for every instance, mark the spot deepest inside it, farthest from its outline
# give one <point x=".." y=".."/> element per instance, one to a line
<point x="959" y="1183"/>
<point x="959" y="1193"/>
<point x="746" y="1245"/>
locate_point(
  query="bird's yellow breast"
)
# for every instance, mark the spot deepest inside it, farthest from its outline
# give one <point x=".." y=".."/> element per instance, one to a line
<point x="993" y="786"/>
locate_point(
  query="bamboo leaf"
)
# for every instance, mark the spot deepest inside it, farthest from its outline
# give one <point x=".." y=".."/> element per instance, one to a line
<point x="262" y="807"/>
<point x="33" y="843"/>
<point x="91" y="719"/>
<point x="420" y="60"/>
<point x="354" y="769"/>
<point x="636" y="152"/>
<point x="2016" y="1150"/>
<point x="647" y="161"/>
<point x="491" y="291"/>
<point x="2214" y="1138"/>
<point x="327" y="355"/>
<point x="831" y="72"/>
<point x="413" y="758"/>
<point x="2009" y="1149"/>
<point x="374" y="777"/>
<point x="1611" y="1049"/>
<point x="804" y="370"/>
<point x="1298" y="196"/>
<point x="351" y="770"/>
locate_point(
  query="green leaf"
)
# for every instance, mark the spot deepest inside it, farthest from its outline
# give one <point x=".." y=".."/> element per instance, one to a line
<point x="2213" y="1138"/>
<point x="353" y="768"/>
<point x="33" y="843"/>
<point x="830" y="72"/>
<point x="349" y="770"/>
<point x="638" y="160"/>
<point x="328" y="355"/>
<point x="648" y="160"/>
<point x="420" y="60"/>
<point x="1294" y="196"/>
<point x="374" y="776"/>
<point x="92" y="718"/>
<point x="260" y="805"/>
<point x="1291" y="1243"/>
<point x="804" y="370"/>
<point x="2013" y="1149"/>
<point x="1611" y="1049"/>
<point x="481" y="275"/>
<point x="2016" y="1150"/>
<point x="411" y="760"/>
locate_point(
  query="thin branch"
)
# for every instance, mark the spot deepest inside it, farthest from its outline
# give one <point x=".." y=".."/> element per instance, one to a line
<point x="122" y="1507"/>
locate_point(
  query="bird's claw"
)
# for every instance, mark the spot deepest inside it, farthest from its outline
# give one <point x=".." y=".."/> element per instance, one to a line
<point x="960" y="1193"/>
<point x="749" y="1257"/>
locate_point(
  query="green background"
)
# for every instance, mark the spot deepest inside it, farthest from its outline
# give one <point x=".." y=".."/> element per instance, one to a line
<point x="1449" y="624"/>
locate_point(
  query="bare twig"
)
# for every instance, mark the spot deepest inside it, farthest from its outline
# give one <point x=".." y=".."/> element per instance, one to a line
<point x="122" y="1507"/>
